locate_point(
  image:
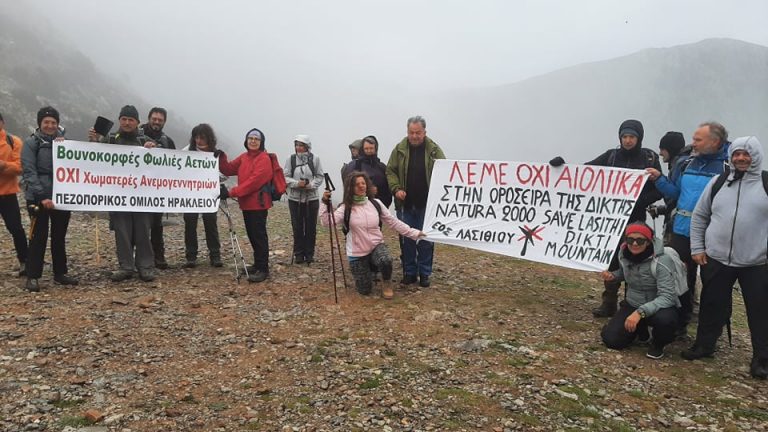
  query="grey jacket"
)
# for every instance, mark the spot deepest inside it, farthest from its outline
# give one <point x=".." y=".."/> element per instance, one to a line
<point x="645" y="291"/>
<point x="37" y="167"/>
<point x="302" y="171"/>
<point x="732" y="228"/>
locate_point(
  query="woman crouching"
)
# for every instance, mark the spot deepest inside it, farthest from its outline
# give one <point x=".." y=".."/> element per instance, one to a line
<point x="651" y="299"/>
<point x="365" y="246"/>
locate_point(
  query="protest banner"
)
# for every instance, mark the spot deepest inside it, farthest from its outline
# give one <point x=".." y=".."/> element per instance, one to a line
<point x="109" y="177"/>
<point x="571" y="216"/>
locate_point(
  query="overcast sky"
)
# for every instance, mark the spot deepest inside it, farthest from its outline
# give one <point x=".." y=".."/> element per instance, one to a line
<point x="294" y="66"/>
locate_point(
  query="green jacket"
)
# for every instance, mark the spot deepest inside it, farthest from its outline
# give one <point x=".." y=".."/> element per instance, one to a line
<point x="397" y="166"/>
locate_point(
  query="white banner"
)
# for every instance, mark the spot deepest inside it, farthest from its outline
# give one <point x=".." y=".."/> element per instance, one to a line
<point x="109" y="177"/>
<point x="572" y="216"/>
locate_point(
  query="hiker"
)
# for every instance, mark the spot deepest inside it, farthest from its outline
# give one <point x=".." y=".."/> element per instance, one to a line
<point x="355" y="148"/>
<point x="685" y="184"/>
<point x="37" y="166"/>
<point x="651" y="298"/>
<point x="369" y="163"/>
<point x="408" y="172"/>
<point x="132" y="242"/>
<point x="630" y="154"/>
<point x="361" y="216"/>
<point x="671" y="148"/>
<point x="153" y="128"/>
<point x="10" y="169"/>
<point x="729" y="240"/>
<point x="303" y="176"/>
<point x="202" y="139"/>
<point x="254" y="171"/>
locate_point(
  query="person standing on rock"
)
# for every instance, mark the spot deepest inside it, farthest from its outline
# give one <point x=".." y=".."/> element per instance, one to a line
<point x="37" y="166"/>
<point x="729" y="240"/>
<point x="254" y="171"/>
<point x="10" y="169"/>
<point x="132" y="242"/>
<point x="361" y="216"/>
<point x="408" y="172"/>
<point x="153" y="128"/>
<point x="369" y="163"/>
<point x="203" y="139"/>
<point x="685" y="184"/>
<point x="630" y="154"/>
<point x="651" y="298"/>
<point x="303" y="177"/>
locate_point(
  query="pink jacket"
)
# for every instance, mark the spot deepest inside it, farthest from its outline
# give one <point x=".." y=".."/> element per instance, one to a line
<point x="364" y="232"/>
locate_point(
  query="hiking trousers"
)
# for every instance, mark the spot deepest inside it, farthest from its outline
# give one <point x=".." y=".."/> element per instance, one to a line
<point x="716" y="304"/>
<point x="9" y="209"/>
<point x="58" y="220"/>
<point x="663" y="323"/>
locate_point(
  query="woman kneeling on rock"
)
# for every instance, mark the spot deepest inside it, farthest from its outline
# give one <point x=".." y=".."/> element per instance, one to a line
<point x="361" y="215"/>
<point x="651" y="299"/>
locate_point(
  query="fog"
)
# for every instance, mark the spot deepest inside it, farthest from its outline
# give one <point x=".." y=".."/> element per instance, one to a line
<point x="340" y="70"/>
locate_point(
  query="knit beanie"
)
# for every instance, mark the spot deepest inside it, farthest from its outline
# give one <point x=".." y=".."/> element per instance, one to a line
<point x="672" y="142"/>
<point x="129" y="111"/>
<point x="47" y="112"/>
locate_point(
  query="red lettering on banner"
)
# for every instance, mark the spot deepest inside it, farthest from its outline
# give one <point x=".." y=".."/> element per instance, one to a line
<point x="456" y="170"/>
<point x="470" y="174"/>
<point x="529" y="174"/>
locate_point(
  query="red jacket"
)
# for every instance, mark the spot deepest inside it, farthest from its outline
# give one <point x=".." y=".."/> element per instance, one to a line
<point x="9" y="177"/>
<point x="254" y="171"/>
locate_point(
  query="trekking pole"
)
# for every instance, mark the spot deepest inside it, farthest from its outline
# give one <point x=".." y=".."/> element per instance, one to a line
<point x="33" y="210"/>
<point x="236" y="250"/>
<point x="330" y="188"/>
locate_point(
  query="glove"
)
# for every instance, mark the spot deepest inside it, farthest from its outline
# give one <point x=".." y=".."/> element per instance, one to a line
<point x="223" y="192"/>
<point x="557" y="161"/>
<point x="218" y="153"/>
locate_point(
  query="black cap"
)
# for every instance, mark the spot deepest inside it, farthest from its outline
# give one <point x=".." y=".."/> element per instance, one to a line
<point x="129" y="111"/>
<point x="673" y="142"/>
<point x="47" y="112"/>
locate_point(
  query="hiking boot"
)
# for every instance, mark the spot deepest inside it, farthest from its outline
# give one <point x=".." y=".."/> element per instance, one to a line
<point x="696" y="352"/>
<point x="121" y="275"/>
<point x="191" y="263"/>
<point x="298" y="259"/>
<point x="610" y="297"/>
<point x="655" y="352"/>
<point x="309" y="259"/>
<point x="759" y="368"/>
<point x="147" y="275"/>
<point x="257" y="276"/>
<point x="64" y="279"/>
<point x="216" y="261"/>
<point x="424" y="281"/>
<point x="32" y="285"/>
<point x="387" y="292"/>
<point x="161" y="264"/>
<point x="22" y="269"/>
<point x="408" y="279"/>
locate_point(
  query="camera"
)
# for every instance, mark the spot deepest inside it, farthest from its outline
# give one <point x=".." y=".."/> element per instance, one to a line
<point x="656" y="210"/>
<point x="305" y="180"/>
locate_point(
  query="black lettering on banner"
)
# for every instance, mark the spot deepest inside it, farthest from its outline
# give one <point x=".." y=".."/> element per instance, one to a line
<point x="443" y="228"/>
<point x="518" y="214"/>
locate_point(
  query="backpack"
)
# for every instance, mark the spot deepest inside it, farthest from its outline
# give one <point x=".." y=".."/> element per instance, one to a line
<point x="9" y="138"/>
<point x="140" y="137"/>
<point x="722" y="178"/>
<point x="310" y="162"/>
<point x="679" y="272"/>
<point x="651" y="157"/>
<point x="348" y="214"/>
<point x="277" y="186"/>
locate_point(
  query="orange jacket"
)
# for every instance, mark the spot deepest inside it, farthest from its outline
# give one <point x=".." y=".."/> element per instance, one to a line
<point x="9" y="176"/>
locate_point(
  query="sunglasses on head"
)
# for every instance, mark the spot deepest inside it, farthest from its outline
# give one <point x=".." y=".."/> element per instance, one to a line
<point x="639" y="241"/>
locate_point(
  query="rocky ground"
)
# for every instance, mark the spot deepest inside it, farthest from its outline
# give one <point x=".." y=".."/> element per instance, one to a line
<point x="495" y="344"/>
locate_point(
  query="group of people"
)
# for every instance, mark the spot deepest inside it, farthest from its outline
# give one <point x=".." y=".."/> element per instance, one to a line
<point x="715" y="192"/>
<point x="139" y="241"/>
<point x="716" y="197"/>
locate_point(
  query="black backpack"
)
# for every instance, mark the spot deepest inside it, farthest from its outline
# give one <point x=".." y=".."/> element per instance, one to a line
<point x="722" y="178"/>
<point x="9" y="138"/>
<point x="348" y="214"/>
<point x="310" y="162"/>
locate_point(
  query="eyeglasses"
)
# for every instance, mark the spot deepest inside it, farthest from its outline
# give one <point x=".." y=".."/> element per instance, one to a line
<point x="639" y="241"/>
<point x="253" y="138"/>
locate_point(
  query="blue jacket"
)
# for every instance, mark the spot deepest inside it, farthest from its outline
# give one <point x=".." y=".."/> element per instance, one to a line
<point x="687" y="186"/>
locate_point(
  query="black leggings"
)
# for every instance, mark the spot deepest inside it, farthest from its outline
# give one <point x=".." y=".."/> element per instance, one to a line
<point x="256" y="227"/>
<point x="9" y="209"/>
